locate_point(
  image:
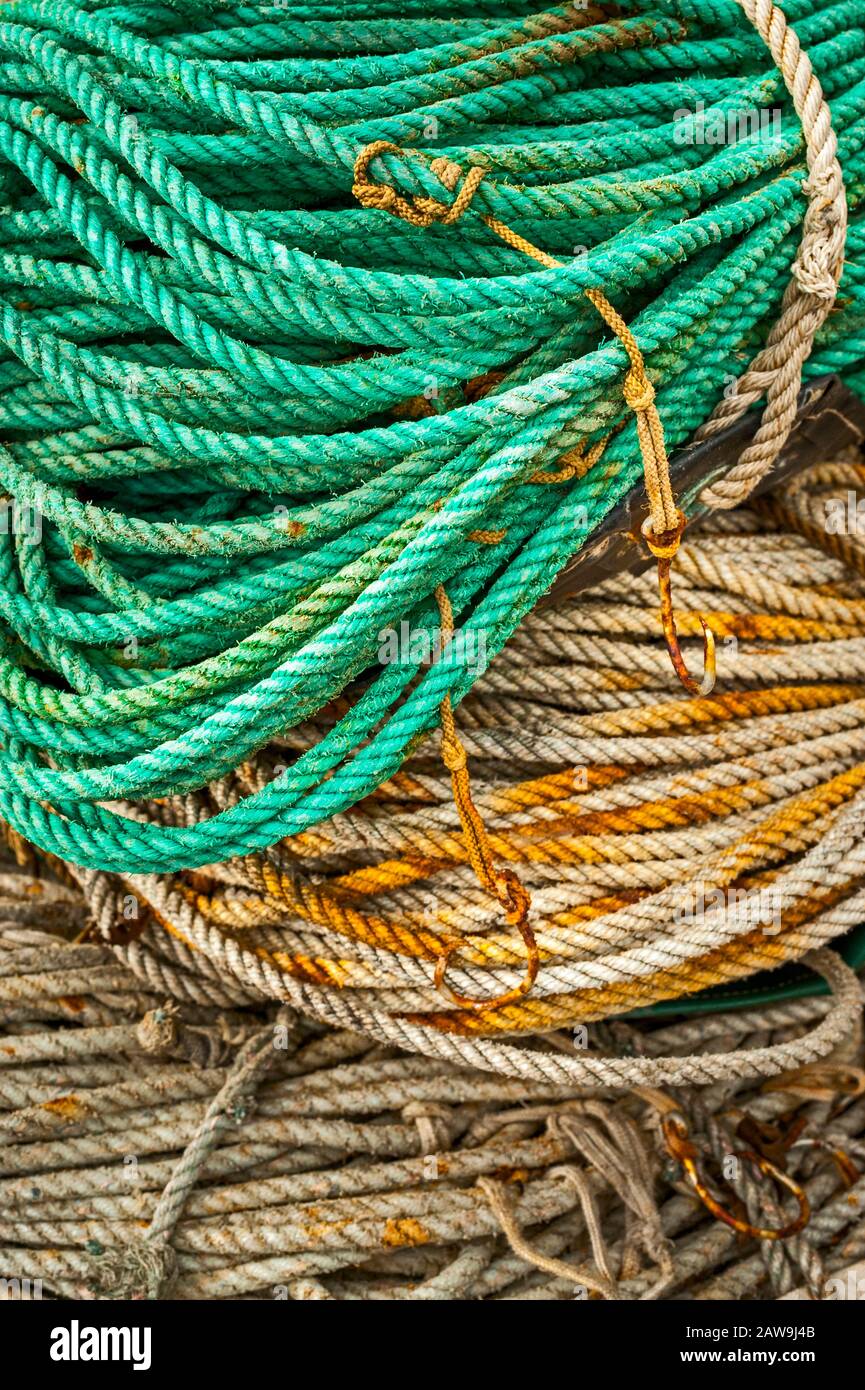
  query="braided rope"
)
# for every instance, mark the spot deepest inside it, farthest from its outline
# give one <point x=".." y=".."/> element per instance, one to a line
<point x="777" y="370"/>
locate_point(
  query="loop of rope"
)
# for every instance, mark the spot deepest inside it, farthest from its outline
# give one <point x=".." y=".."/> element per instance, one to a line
<point x="500" y="1203"/>
<point x="611" y="1144"/>
<point x="213" y="357"/>
<point x="257" y="1207"/>
<point x="419" y="211"/>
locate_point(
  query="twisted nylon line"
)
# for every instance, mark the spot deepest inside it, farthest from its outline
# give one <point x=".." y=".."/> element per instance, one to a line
<point x="813" y="289"/>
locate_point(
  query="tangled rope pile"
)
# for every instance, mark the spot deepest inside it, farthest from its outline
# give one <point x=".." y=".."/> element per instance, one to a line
<point x="254" y="422"/>
<point x="328" y="334"/>
<point x="668" y="844"/>
<point x="200" y="1149"/>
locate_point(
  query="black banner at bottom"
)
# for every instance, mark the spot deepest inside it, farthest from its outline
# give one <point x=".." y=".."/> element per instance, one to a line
<point x="260" y="1338"/>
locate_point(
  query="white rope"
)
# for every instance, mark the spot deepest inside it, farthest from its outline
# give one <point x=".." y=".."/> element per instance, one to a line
<point x="777" y="371"/>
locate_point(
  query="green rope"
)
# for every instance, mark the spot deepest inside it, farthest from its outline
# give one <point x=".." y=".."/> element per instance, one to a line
<point x="242" y="429"/>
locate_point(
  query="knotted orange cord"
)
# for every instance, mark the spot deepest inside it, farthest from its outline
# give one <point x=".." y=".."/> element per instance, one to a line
<point x="663" y="528"/>
<point x="501" y="884"/>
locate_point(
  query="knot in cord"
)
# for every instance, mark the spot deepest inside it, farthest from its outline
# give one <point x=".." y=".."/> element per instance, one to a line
<point x="819" y="264"/>
<point x="513" y="897"/>
<point x="420" y="210"/>
<point x="665" y="545"/>
<point x="453" y="754"/>
<point x="638" y="391"/>
<point x="157" y="1031"/>
<point x="814" y="274"/>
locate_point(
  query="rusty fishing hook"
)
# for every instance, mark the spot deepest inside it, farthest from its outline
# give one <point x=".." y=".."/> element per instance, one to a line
<point x="664" y="548"/>
<point x="681" y="1148"/>
<point x="516" y="902"/>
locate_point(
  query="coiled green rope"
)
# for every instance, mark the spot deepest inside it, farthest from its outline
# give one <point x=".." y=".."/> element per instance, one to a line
<point x="245" y="412"/>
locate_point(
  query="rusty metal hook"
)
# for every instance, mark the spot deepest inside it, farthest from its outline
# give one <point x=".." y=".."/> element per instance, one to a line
<point x="516" y="902"/>
<point x="682" y="1149"/>
<point x="664" y="547"/>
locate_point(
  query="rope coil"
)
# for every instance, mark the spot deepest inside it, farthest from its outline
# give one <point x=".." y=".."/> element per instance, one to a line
<point x="667" y="846"/>
<point x="249" y="425"/>
<point x="358" y="1174"/>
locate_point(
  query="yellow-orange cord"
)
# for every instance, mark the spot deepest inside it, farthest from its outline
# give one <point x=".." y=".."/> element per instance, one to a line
<point x="501" y="884"/>
<point x="663" y="528"/>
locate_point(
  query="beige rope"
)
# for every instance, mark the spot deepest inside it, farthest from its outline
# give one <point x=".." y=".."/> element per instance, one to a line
<point x="762" y="786"/>
<point x="777" y="370"/>
<point x="326" y="1190"/>
<point x="499" y="1199"/>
